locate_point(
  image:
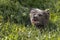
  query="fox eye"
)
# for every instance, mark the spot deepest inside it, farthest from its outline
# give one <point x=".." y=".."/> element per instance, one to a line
<point x="39" y="14"/>
<point x="33" y="12"/>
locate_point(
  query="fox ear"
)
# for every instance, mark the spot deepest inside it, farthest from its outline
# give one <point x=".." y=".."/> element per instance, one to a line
<point x="47" y="10"/>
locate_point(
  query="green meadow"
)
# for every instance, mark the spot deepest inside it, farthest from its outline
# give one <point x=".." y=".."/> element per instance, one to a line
<point x="15" y="23"/>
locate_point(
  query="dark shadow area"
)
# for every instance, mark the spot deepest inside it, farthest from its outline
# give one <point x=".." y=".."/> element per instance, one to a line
<point x="51" y="27"/>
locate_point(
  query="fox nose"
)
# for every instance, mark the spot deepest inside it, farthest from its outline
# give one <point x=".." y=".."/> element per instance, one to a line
<point x="34" y="17"/>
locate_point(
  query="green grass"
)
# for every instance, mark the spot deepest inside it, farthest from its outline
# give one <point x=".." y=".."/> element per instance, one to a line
<point x="12" y="31"/>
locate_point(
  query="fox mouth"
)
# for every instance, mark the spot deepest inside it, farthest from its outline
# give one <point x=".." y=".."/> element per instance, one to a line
<point x="35" y="20"/>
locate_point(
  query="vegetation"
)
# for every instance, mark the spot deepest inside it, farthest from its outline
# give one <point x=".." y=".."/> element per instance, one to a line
<point x="15" y="22"/>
